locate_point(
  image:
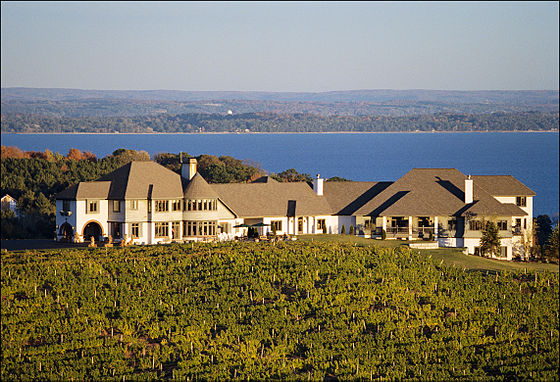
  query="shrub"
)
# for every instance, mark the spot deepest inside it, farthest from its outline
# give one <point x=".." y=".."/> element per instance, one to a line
<point x="383" y="234"/>
<point x="343" y="230"/>
<point x="351" y="231"/>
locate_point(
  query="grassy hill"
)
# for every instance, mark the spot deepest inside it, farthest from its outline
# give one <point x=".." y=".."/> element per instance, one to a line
<point x="258" y="311"/>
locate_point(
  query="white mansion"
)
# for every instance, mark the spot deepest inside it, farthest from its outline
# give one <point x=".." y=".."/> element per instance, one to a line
<point x="146" y="203"/>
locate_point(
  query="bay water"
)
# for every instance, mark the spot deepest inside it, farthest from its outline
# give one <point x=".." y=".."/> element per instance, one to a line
<point x="531" y="157"/>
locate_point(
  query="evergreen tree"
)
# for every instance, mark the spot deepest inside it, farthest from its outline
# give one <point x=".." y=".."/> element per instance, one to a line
<point x="490" y="240"/>
<point x="351" y="231"/>
<point x="343" y="230"/>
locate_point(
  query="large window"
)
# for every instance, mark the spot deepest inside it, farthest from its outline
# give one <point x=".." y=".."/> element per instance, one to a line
<point x="276" y="225"/>
<point x="135" y="230"/>
<point x="201" y="205"/>
<point x="176" y="205"/>
<point x="162" y="205"/>
<point x="66" y="205"/>
<point x="162" y="229"/>
<point x="475" y="225"/>
<point x="503" y="252"/>
<point x="452" y="224"/>
<point x="322" y="225"/>
<point x="116" y="206"/>
<point x="521" y="201"/>
<point x="502" y="225"/>
<point x="199" y="228"/>
<point x="92" y="206"/>
<point x="175" y="229"/>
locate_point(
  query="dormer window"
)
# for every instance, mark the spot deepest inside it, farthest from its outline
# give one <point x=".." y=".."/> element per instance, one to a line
<point x="116" y="206"/>
<point x="66" y="205"/>
<point x="521" y="201"/>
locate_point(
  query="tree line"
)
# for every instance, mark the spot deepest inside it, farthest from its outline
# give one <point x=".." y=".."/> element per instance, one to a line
<point x="273" y="122"/>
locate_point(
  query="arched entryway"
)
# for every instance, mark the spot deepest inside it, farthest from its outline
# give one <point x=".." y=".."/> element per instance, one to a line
<point x="94" y="229"/>
<point x="66" y="232"/>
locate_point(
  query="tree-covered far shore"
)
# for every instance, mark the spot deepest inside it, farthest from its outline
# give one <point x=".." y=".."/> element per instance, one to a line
<point x="276" y="123"/>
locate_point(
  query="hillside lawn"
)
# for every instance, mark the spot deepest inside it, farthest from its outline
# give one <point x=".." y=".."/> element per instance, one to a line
<point x="450" y="256"/>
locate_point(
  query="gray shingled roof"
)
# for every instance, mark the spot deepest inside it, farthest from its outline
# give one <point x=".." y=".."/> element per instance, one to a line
<point x="198" y="188"/>
<point x="86" y="190"/>
<point x="345" y="198"/>
<point x="429" y="192"/>
<point x="135" y="180"/>
<point x="502" y="185"/>
<point x="272" y="199"/>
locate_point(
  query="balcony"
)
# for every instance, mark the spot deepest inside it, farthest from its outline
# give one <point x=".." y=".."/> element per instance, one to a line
<point x="517" y="231"/>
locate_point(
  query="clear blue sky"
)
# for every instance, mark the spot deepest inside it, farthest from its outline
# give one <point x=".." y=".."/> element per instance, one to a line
<point x="268" y="46"/>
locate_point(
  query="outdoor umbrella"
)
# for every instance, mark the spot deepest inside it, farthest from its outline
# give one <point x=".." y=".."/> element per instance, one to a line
<point x="241" y="226"/>
<point x="259" y="225"/>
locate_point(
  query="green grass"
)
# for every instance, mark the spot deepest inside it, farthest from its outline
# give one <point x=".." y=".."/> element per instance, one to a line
<point x="453" y="257"/>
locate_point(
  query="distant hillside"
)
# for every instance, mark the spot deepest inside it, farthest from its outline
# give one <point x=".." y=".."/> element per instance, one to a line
<point x="274" y="123"/>
<point x="525" y="97"/>
<point x="76" y="103"/>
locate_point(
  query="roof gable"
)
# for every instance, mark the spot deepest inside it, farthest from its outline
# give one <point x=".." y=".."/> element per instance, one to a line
<point x="198" y="188"/>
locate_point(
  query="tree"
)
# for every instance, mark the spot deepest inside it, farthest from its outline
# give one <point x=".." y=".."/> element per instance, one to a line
<point x="543" y="228"/>
<point x="552" y="246"/>
<point x="490" y="240"/>
<point x="343" y="230"/>
<point x="351" y="231"/>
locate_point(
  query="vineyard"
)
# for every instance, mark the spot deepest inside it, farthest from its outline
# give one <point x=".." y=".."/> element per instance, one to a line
<point x="297" y="311"/>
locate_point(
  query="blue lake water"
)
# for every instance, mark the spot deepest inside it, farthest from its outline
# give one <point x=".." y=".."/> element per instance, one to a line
<point x="530" y="157"/>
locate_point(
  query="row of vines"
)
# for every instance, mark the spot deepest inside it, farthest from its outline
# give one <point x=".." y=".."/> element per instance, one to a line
<point x="262" y="311"/>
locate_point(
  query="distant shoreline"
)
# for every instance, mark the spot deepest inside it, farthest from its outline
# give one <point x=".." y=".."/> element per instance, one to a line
<point x="293" y="132"/>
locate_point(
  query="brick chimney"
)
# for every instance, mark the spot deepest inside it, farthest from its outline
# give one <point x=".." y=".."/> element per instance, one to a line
<point x="468" y="190"/>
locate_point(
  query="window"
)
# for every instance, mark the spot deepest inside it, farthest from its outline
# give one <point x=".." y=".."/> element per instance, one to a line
<point x="66" y="205"/>
<point x="116" y="206"/>
<point x="201" y="205"/>
<point x="199" y="228"/>
<point x="477" y="251"/>
<point x="322" y="225"/>
<point x="502" y="225"/>
<point x="503" y="252"/>
<point x="475" y="225"/>
<point x="175" y="229"/>
<point x="116" y="230"/>
<point x="162" y="229"/>
<point x="524" y="223"/>
<point x="176" y="205"/>
<point x="134" y="204"/>
<point x="452" y="224"/>
<point x="226" y="227"/>
<point x="276" y="225"/>
<point x="135" y="230"/>
<point x="92" y="206"/>
<point x="162" y="205"/>
<point x="521" y="201"/>
<point x="149" y="206"/>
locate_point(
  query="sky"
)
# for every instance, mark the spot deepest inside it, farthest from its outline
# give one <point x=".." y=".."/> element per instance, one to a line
<point x="279" y="46"/>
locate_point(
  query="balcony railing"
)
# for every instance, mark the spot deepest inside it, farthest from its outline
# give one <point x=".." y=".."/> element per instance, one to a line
<point x="423" y="231"/>
<point x="397" y="230"/>
<point x="517" y="231"/>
